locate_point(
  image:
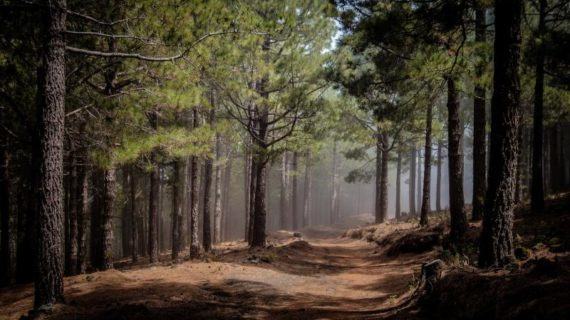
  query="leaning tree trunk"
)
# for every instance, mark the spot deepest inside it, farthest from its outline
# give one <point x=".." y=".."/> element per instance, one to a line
<point x="455" y="162"/>
<point x="218" y="193"/>
<point x="194" y="241"/>
<point x="177" y="221"/>
<point x="438" y="183"/>
<point x="284" y="199"/>
<point x="384" y="179"/>
<point x="378" y="217"/>
<point x="479" y="119"/>
<point x="537" y="192"/>
<point x="307" y="187"/>
<point x="49" y="248"/>
<point x="427" y="169"/>
<point x="153" y="198"/>
<point x="412" y="183"/>
<point x="294" y="184"/>
<point x="398" y="185"/>
<point x="496" y="243"/>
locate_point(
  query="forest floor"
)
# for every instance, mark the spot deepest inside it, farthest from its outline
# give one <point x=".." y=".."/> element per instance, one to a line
<point x="330" y="273"/>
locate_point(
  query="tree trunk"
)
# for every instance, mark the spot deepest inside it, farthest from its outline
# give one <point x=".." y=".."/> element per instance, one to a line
<point x="49" y="248"/>
<point x="206" y="225"/>
<point x="218" y="193"/>
<point x="438" y="184"/>
<point x="71" y="245"/>
<point x="419" y="183"/>
<point x="101" y="219"/>
<point x="384" y="179"/>
<point x="247" y="165"/>
<point x="177" y="221"/>
<point x="226" y="196"/>
<point x="556" y="172"/>
<point x="153" y="201"/>
<point x="427" y="170"/>
<point x="537" y="193"/>
<point x="378" y="182"/>
<point x="252" y="188"/>
<point x="284" y="200"/>
<point x="160" y="228"/>
<point x="194" y="242"/>
<point x="307" y="187"/>
<point x="126" y="216"/>
<point x="479" y="119"/>
<point x="398" y="185"/>
<point x="294" y="193"/>
<point x="412" y="183"/>
<point x="496" y="243"/>
<point x="334" y="194"/>
<point x="6" y="261"/>
<point x="455" y="162"/>
<point x="82" y="205"/>
<point x="133" y="215"/>
<point x="258" y="230"/>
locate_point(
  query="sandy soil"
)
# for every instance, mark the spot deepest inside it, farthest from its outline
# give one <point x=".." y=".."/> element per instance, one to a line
<point x="320" y="276"/>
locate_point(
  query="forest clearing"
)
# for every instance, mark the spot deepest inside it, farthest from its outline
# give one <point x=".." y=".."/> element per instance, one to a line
<point x="284" y="159"/>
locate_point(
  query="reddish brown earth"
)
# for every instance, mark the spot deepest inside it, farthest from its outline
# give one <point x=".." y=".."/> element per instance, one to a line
<point x="321" y="276"/>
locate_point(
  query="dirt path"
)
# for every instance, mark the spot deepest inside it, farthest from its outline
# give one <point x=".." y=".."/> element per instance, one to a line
<point x="319" y="277"/>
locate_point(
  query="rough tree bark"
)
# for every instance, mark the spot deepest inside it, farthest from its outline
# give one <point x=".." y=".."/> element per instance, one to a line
<point x="206" y="225"/>
<point x="427" y="169"/>
<point x="378" y="217"/>
<point x="101" y="219"/>
<point x="177" y="221"/>
<point x="226" y="195"/>
<point x="133" y="214"/>
<point x="6" y="262"/>
<point x="153" y="205"/>
<point x="294" y="193"/>
<point x="218" y="193"/>
<point x="49" y="248"/>
<point x="419" y="183"/>
<point x="412" y="183"/>
<point x="537" y="192"/>
<point x="126" y="221"/>
<point x="284" y="199"/>
<point x="307" y="187"/>
<point x="438" y="183"/>
<point x="384" y="179"/>
<point x="246" y="189"/>
<point x="398" y="186"/>
<point x="194" y="242"/>
<point x="496" y="243"/>
<point x="334" y="186"/>
<point x="71" y="245"/>
<point x="82" y="204"/>
<point x="479" y="119"/>
<point x="455" y="162"/>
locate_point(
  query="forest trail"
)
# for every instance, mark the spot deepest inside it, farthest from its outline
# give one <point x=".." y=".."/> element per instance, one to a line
<point x="318" y="276"/>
